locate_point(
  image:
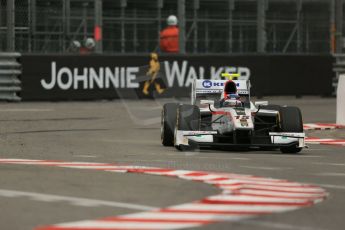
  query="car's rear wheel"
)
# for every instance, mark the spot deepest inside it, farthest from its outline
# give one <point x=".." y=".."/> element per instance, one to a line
<point x="290" y="120"/>
<point x="168" y="123"/>
<point x="188" y="118"/>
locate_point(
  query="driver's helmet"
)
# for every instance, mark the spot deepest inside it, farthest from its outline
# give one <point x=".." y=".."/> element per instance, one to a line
<point x="232" y="103"/>
<point x="232" y="96"/>
<point x="172" y="20"/>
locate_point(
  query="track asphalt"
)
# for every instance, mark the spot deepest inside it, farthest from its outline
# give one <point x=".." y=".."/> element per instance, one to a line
<point x="128" y="132"/>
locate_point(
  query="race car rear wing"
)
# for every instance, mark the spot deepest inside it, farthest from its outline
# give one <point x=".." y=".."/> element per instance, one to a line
<point x="204" y="88"/>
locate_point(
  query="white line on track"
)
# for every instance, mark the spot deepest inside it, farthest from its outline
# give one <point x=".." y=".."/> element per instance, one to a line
<point x="297" y="156"/>
<point x="85" y="156"/>
<point x="101" y="224"/>
<point x="72" y="200"/>
<point x="144" y="160"/>
<point x="264" y="168"/>
<point x="226" y="158"/>
<point x="328" y="163"/>
<point x="330" y="174"/>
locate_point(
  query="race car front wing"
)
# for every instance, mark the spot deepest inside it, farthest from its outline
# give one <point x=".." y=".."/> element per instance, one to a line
<point x="200" y="139"/>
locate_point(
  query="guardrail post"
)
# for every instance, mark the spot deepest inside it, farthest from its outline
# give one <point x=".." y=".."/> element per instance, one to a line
<point x="262" y="6"/>
<point x="10" y="26"/>
<point x="339" y="25"/>
<point x="98" y="29"/>
<point x="9" y="81"/>
<point x="181" y="5"/>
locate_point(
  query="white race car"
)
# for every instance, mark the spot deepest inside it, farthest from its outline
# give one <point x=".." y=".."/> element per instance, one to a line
<point x="221" y="115"/>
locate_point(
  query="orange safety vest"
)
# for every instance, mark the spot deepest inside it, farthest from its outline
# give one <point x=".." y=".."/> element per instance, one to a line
<point x="169" y="39"/>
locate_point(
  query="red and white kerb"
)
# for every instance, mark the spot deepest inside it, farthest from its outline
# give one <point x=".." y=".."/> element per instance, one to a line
<point x="322" y="126"/>
<point x="242" y="196"/>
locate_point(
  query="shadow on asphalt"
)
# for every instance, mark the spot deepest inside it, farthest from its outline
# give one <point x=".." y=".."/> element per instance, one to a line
<point x="55" y="119"/>
<point x="57" y="130"/>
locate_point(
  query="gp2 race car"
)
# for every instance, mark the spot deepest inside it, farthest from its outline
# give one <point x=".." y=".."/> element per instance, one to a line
<point x="221" y="115"/>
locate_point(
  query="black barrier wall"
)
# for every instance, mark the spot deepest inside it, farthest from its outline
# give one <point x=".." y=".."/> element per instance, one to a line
<point x="109" y="77"/>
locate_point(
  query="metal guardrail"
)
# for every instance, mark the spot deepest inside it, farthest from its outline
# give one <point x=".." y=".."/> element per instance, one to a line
<point x="338" y="68"/>
<point x="10" y="70"/>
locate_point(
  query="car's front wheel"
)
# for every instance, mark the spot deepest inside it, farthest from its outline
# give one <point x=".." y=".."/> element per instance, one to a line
<point x="168" y="123"/>
<point x="188" y="119"/>
<point x="290" y="119"/>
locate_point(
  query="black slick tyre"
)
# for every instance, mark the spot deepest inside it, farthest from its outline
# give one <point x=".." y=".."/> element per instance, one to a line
<point x="188" y="118"/>
<point x="291" y="122"/>
<point x="168" y="123"/>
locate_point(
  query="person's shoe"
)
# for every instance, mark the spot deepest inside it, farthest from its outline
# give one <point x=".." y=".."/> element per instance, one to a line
<point x="159" y="89"/>
<point x="145" y="89"/>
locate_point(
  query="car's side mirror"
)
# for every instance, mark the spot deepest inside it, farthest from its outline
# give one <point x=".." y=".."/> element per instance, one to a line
<point x="207" y="102"/>
<point x="259" y="103"/>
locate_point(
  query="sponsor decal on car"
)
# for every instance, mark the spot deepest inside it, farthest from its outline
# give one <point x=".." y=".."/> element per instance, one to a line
<point x="208" y="84"/>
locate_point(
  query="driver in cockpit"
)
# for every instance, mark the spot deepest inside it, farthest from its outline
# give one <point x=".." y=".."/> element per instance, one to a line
<point x="231" y="100"/>
<point x="230" y="96"/>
